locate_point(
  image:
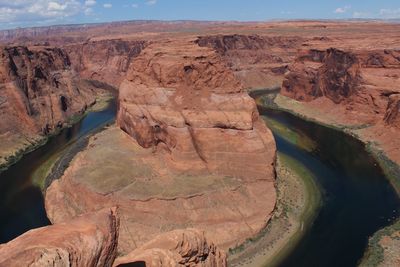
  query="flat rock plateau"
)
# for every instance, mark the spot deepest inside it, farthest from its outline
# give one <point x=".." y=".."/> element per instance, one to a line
<point x="189" y="163"/>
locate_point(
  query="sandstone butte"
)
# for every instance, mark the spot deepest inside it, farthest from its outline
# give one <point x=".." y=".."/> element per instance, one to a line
<point x="194" y="153"/>
<point x="164" y="167"/>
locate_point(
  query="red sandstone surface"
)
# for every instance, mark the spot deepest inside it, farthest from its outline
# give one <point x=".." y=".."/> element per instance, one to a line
<point x="88" y="240"/>
<point x="39" y="92"/>
<point x="357" y="88"/>
<point x="104" y="60"/>
<point x="177" y="248"/>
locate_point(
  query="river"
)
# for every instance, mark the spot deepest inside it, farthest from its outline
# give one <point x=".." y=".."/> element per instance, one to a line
<point x="21" y="198"/>
<point x="357" y="199"/>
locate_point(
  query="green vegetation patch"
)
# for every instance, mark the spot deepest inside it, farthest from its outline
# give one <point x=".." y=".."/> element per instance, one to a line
<point x="375" y="252"/>
<point x="292" y="136"/>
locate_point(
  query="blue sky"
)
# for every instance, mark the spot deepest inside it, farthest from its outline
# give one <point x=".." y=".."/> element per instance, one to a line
<point x="25" y="13"/>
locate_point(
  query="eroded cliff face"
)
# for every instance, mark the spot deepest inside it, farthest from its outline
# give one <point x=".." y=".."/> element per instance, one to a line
<point x="352" y="88"/>
<point x="104" y="60"/>
<point x="176" y="248"/>
<point x="38" y="93"/>
<point x="89" y="240"/>
<point x="392" y="115"/>
<point x="331" y="73"/>
<point x="362" y="81"/>
<point x="258" y="61"/>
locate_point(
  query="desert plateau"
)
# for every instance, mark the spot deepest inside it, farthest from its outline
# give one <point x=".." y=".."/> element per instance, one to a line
<point x="208" y="142"/>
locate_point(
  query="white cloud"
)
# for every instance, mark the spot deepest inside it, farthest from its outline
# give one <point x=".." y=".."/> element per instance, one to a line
<point x="88" y="11"/>
<point x="151" y="2"/>
<point x="341" y="10"/>
<point x="390" y="13"/>
<point x="90" y="2"/>
<point x="361" y="15"/>
<point x="135" y="5"/>
<point x="107" y="5"/>
<point x="39" y="10"/>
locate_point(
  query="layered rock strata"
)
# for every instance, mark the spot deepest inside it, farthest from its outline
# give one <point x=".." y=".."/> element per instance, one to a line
<point x="355" y="88"/>
<point x="260" y="62"/>
<point x="176" y="248"/>
<point x="104" y="60"/>
<point x="38" y="93"/>
<point x="89" y="240"/>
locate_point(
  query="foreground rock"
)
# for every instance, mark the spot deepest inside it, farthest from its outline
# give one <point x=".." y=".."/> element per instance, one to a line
<point x="199" y="157"/>
<point x="38" y="93"/>
<point x="89" y="240"/>
<point x="177" y="248"/>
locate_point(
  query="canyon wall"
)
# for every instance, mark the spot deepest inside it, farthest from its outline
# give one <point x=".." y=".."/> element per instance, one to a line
<point x="39" y="92"/>
<point x="258" y="61"/>
<point x="104" y="60"/>
<point x="365" y="82"/>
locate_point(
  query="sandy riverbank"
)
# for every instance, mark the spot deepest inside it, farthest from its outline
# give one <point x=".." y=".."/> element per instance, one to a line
<point x="297" y="204"/>
<point x="60" y="160"/>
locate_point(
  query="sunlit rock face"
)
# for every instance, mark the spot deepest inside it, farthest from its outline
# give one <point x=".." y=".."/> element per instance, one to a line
<point x="89" y="240"/>
<point x="176" y="248"/>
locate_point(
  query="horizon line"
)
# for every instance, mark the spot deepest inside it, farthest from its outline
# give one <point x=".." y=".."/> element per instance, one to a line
<point x="204" y="21"/>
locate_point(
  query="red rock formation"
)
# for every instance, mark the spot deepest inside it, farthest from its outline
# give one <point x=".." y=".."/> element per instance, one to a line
<point x="38" y="93"/>
<point x="89" y="240"/>
<point x="177" y="248"/>
<point x="38" y="88"/>
<point x="331" y="73"/>
<point x="258" y="61"/>
<point x="392" y="115"/>
<point x="180" y="99"/>
<point x="357" y="88"/>
<point x="105" y="60"/>
<point x="200" y="155"/>
<point x="361" y="80"/>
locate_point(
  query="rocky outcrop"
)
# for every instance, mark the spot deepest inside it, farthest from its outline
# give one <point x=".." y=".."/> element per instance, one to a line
<point x="104" y="60"/>
<point x="362" y="81"/>
<point x="225" y="43"/>
<point x="258" y="61"/>
<point x="38" y="93"/>
<point x="355" y="88"/>
<point x="39" y="88"/>
<point x="332" y="73"/>
<point x="177" y="248"/>
<point x="392" y="115"/>
<point x="89" y="240"/>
